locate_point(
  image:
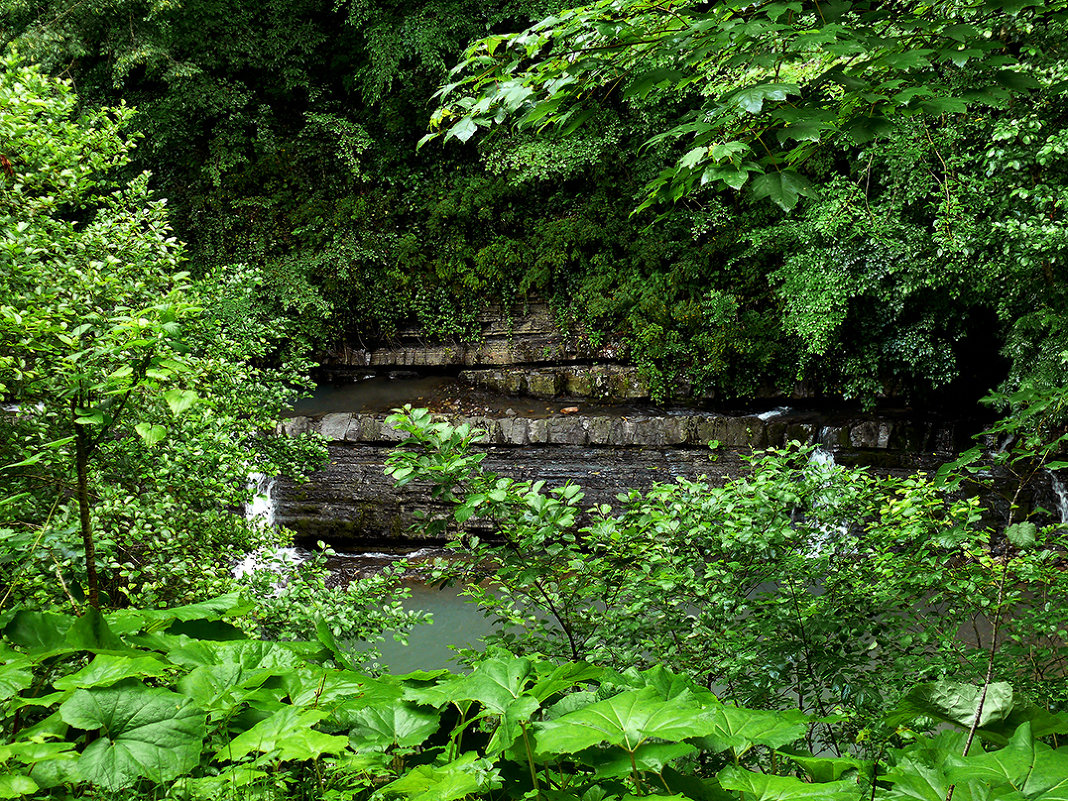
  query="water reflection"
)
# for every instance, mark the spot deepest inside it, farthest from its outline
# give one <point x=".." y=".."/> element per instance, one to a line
<point x="373" y="394"/>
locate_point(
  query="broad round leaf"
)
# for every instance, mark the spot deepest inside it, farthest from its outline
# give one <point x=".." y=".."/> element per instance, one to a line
<point x="403" y="724"/>
<point x="143" y="733"/>
<point x="108" y="669"/>
<point x="15" y="785"/>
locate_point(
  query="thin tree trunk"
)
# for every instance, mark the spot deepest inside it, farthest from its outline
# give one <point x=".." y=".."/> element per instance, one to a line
<point x="81" y="442"/>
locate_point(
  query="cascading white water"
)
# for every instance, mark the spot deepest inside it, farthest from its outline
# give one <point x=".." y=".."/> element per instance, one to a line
<point x="279" y="561"/>
<point x="1062" y="495"/>
<point x="821" y="458"/>
<point x="17" y="408"/>
<point x="262" y="505"/>
<point x="821" y="462"/>
<point x="261" y="508"/>
<point x="778" y="411"/>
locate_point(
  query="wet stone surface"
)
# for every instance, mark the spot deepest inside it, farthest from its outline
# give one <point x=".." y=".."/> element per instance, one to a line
<point x="605" y="448"/>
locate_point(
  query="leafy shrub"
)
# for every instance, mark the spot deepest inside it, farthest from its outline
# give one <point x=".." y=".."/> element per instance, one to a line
<point x="177" y="703"/>
<point x="802" y="584"/>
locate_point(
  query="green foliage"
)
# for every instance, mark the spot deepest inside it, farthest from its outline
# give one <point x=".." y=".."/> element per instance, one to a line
<point x="220" y="715"/>
<point x="294" y="599"/>
<point x="153" y="734"/>
<point x="775" y="80"/>
<point x="284" y="136"/>
<point x="141" y="411"/>
<point x="799" y="585"/>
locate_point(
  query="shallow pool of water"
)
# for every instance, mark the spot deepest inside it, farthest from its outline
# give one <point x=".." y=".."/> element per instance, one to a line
<point x="375" y="394"/>
<point x="457" y="623"/>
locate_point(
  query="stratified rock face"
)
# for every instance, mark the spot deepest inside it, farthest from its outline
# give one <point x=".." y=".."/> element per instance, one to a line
<point x="604" y="382"/>
<point x="521" y="351"/>
<point x="352" y="498"/>
<point x="526" y="335"/>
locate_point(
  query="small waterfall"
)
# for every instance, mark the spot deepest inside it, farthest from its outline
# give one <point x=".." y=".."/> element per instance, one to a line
<point x="1061" y="492"/>
<point x="17" y="408"/>
<point x="278" y="561"/>
<point x="821" y="458"/>
<point x="262" y="505"/>
<point x="821" y="462"/>
<point x="778" y="411"/>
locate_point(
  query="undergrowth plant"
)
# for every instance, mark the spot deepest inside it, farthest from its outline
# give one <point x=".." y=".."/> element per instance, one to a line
<point x="179" y="704"/>
<point x="801" y="584"/>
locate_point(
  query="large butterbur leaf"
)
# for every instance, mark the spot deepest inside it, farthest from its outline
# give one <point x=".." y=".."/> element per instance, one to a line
<point x="143" y="733"/>
<point x="464" y="776"/>
<point x="401" y="724"/>
<point x="735" y="729"/>
<point x="326" y="688"/>
<point x="953" y="702"/>
<point x="626" y="720"/>
<point x="108" y="669"/>
<point x="920" y="772"/>
<point x="48" y="763"/>
<point x="252" y="654"/>
<point x="1043" y="722"/>
<point x="1025" y="765"/>
<point x="38" y="631"/>
<point x="615" y="762"/>
<point x="219" y="689"/>
<point x="16" y="785"/>
<point x="342" y="693"/>
<point x="288" y="734"/>
<point x="765" y="787"/>
<point x="233" y="783"/>
<point x="829" y="769"/>
<point x="15" y="674"/>
<point x="130" y="620"/>
<point x="495" y="684"/>
<point x="46" y="634"/>
<point x="500" y="685"/>
<point x="912" y="779"/>
<point x="563" y="677"/>
<point x="90" y="632"/>
<point x="667" y="684"/>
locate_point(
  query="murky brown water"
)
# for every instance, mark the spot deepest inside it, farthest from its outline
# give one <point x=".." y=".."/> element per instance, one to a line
<point x="378" y="394"/>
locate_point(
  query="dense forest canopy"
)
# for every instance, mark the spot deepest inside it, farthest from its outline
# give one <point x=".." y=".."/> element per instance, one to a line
<point x="866" y="197"/>
<point x="919" y="147"/>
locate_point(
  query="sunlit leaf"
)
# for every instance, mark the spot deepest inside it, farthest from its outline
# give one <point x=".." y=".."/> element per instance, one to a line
<point x="288" y="734"/>
<point x="180" y="400"/>
<point x="466" y="775"/>
<point x="107" y="669"/>
<point x="766" y="787"/>
<point x="151" y="433"/>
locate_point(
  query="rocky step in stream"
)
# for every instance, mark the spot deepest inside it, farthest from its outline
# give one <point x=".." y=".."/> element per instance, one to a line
<point x="351" y="500"/>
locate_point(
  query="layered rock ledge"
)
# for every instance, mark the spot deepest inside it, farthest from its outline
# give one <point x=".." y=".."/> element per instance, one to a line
<point x="609" y="382"/>
<point x="674" y="430"/>
<point x="526" y="335"/>
<point x="352" y="500"/>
